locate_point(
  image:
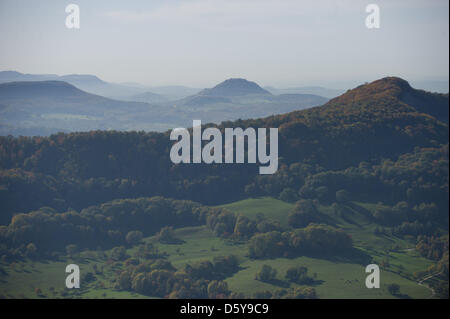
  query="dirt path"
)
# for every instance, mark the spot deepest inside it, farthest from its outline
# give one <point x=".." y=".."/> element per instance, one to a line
<point x="420" y="282"/>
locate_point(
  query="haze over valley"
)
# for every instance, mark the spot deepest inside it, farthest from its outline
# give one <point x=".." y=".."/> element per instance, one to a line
<point x="46" y="104"/>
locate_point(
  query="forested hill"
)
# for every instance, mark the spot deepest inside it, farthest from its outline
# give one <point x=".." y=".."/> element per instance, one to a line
<point x="398" y="94"/>
<point x="384" y="118"/>
<point x="33" y="90"/>
<point x="358" y="130"/>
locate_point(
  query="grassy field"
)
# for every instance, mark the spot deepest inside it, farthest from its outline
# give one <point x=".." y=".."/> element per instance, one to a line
<point x="270" y="208"/>
<point x="340" y="279"/>
<point x="21" y="279"/>
<point x="336" y="278"/>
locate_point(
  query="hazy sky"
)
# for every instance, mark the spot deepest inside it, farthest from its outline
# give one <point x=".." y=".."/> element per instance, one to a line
<point x="202" y="42"/>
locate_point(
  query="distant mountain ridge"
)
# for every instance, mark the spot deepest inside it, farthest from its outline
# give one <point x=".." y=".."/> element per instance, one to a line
<point x="58" y="91"/>
<point x="36" y="89"/>
<point x="85" y="82"/>
<point x="95" y="85"/>
<point x="46" y="107"/>
<point x="14" y="76"/>
<point x="315" y="90"/>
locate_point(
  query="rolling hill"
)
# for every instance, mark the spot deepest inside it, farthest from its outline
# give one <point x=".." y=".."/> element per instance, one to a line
<point x="246" y="99"/>
<point x="128" y="91"/>
<point x="235" y="87"/>
<point x="86" y="82"/>
<point x="43" y="107"/>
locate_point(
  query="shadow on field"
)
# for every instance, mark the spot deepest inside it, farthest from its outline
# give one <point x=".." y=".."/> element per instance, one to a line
<point x="315" y="282"/>
<point x="278" y="283"/>
<point x="350" y="221"/>
<point x="361" y="210"/>
<point x="354" y="255"/>
<point x="173" y="241"/>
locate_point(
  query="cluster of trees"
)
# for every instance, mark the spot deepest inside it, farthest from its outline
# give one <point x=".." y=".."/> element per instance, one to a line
<point x="299" y="275"/>
<point x="404" y="212"/>
<point x="291" y="293"/>
<point x="404" y="219"/>
<point x="304" y="213"/>
<point x="159" y="278"/>
<point x="432" y="247"/>
<point x="120" y="222"/>
<point x="167" y="236"/>
<point x="125" y="222"/>
<point x="313" y="239"/>
<point x="296" y="274"/>
<point x="413" y="187"/>
<point x="227" y="225"/>
<point x="219" y="268"/>
<point x="134" y="237"/>
<point x="266" y="274"/>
